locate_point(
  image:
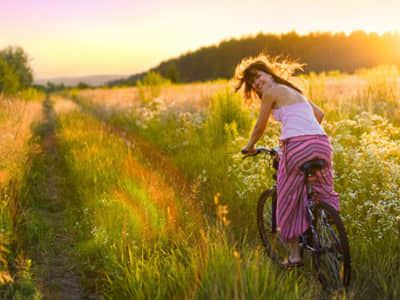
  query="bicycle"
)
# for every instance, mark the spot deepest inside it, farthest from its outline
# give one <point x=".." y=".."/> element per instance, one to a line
<point x="326" y="238"/>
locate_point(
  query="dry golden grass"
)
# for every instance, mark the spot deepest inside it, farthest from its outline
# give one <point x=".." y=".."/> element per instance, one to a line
<point x="15" y="130"/>
<point x="375" y="91"/>
<point x="16" y="118"/>
<point x="63" y="105"/>
<point x="112" y="97"/>
<point x="337" y="91"/>
<point x="191" y="97"/>
<point x="187" y="97"/>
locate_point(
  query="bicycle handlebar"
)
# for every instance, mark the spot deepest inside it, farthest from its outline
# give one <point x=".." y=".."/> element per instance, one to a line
<point x="271" y="151"/>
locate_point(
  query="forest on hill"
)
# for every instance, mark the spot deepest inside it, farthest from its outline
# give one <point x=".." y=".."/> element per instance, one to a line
<point x="320" y="51"/>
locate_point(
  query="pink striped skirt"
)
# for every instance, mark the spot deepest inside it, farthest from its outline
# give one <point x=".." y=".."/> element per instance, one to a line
<point x="292" y="195"/>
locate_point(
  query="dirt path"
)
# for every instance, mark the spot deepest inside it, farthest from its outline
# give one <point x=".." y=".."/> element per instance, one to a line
<point x="53" y="263"/>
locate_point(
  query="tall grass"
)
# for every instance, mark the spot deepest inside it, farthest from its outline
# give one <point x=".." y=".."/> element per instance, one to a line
<point x="16" y="119"/>
<point x="342" y="97"/>
<point x="151" y="88"/>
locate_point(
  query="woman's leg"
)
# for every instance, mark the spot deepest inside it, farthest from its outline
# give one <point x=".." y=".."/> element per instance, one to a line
<point x="294" y="252"/>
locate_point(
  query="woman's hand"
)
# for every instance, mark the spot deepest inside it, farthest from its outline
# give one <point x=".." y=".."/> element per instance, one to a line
<point x="248" y="149"/>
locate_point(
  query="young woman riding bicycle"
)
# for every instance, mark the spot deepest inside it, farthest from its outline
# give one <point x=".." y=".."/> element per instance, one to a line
<point x="302" y="139"/>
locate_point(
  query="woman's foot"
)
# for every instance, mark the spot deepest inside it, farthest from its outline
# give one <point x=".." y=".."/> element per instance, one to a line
<point x="293" y="263"/>
<point x="294" y="259"/>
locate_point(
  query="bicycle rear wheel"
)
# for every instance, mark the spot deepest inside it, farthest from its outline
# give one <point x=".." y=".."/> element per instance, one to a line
<point x="332" y="261"/>
<point x="276" y="249"/>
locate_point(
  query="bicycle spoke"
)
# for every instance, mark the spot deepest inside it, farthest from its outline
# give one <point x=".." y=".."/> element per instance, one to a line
<point x="333" y="268"/>
<point x="330" y="258"/>
<point x="277" y="249"/>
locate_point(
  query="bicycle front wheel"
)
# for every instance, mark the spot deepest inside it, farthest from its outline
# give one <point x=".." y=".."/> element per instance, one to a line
<point x="332" y="258"/>
<point x="269" y="232"/>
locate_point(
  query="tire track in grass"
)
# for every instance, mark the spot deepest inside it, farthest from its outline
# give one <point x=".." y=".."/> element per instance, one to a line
<point x="154" y="160"/>
<point x="48" y="197"/>
<point x="170" y="193"/>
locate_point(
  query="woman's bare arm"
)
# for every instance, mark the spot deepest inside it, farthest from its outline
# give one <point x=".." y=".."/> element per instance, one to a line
<point x="262" y="121"/>
<point x="319" y="115"/>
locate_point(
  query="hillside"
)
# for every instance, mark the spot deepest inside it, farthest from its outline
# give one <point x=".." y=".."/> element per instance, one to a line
<point x="319" y="51"/>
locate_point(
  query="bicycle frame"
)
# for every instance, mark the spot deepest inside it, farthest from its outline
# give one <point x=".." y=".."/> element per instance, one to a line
<point x="311" y="202"/>
<point x="320" y="239"/>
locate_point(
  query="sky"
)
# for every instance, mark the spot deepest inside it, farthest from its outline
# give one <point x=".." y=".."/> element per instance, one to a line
<point x="93" y="37"/>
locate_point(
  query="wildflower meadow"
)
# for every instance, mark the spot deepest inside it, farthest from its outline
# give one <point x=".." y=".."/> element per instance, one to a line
<point x="151" y="199"/>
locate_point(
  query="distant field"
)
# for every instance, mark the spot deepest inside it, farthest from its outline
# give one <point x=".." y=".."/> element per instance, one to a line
<point x="185" y="97"/>
<point x="94" y="80"/>
<point x="156" y="202"/>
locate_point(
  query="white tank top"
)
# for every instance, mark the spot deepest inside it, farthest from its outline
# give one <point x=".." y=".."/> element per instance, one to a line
<point x="297" y="119"/>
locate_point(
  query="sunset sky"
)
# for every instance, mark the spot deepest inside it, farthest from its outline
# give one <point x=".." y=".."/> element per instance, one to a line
<point x="88" y="37"/>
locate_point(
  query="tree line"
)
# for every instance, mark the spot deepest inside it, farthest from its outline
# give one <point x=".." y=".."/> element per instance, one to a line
<point x="320" y="51"/>
<point x="15" y="71"/>
<point x="16" y="74"/>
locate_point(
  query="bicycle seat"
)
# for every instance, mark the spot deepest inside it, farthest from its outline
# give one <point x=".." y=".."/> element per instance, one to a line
<point x="311" y="166"/>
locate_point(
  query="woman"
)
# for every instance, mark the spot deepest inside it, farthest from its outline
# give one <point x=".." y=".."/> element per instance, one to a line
<point x="302" y="139"/>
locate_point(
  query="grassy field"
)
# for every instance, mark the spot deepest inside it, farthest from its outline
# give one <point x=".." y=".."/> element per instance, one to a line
<point x="146" y="191"/>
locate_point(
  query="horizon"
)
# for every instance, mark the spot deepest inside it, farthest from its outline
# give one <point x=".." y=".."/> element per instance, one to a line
<point x="128" y="37"/>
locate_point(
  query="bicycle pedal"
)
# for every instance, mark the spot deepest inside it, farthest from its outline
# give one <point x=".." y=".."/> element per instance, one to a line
<point x="312" y="178"/>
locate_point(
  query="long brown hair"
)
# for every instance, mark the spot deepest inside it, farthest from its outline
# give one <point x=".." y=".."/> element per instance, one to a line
<point x="281" y="72"/>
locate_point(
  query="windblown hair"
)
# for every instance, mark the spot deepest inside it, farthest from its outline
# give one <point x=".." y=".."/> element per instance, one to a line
<point x="281" y="72"/>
